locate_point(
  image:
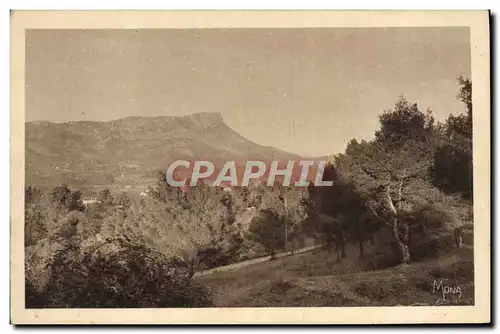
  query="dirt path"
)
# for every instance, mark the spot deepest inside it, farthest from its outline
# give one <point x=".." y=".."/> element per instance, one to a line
<point x="247" y="263"/>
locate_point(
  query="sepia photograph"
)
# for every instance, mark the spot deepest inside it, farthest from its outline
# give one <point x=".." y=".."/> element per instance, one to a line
<point x="202" y="167"/>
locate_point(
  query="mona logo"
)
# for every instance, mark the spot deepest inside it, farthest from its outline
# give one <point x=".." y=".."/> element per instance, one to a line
<point x="446" y="289"/>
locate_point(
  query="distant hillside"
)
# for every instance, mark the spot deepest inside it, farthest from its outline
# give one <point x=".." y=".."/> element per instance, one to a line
<point x="130" y="151"/>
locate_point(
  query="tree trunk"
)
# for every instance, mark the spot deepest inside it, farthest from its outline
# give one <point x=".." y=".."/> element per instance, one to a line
<point x="372" y="241"/>
<point x="191" y="269"/>
<point x="402" y="246"/>
<point x="457" y="234"/>
<point x="405" y="252"/>
<point x="361" y="249"/>
<point x="406" y="255"/>
<point x="408" y="234"/>
<point x="340" y="237"/>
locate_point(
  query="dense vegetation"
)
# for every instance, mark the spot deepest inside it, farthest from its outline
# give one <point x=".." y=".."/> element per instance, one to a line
<point x="407" y="193"/>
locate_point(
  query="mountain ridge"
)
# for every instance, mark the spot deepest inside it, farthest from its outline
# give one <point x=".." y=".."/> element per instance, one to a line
<point x="128" y="151"/>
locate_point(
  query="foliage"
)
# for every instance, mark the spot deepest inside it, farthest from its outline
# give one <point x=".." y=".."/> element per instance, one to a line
<point x="392" y="169"/>
<point x="268" y="229"/>
<point x="130" y="277"/>
<point x="34" y="221"/>
<point x="105" y="196"/>
<point x="71" y="200"/>
<point x="46" y="211"/>
<point x="452" y="168"/>
<point x="183" y="228"/>
<point x="410" y="186"/>
<point x="401" y="151"/>
<point x="123" y="199"/>
<point x="281" y="212"/>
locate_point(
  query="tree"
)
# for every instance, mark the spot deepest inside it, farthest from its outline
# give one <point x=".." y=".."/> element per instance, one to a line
<point x="31" y="195"/>
<point x="35" y="227"/>
<point x="465" y="95"/>
<point x="322" y="212"/>
<point x="48" y="213"/>
<point x="105" y="196"/>
<point x="181" y="229"/>
<point x="123" y="199"/>
<point x="340" y="212"/>
<point x="285" y="207"/>
<point x="73" y="228"/>
<point x="164" y="191"/>
<point x="390" y="165"/>
<point x="452" y="169"/>
<point x="267" y="228"/>
<point x="71" y="200"/>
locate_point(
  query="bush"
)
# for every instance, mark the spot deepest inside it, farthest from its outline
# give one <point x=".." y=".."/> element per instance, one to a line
<point x="35" y="228"/>
<point x="424" y="246"/>
<point x="468" y="238"/>
<point x="429" y="246"/>
<point x="33" y="297"/>
<point x="132" y="277"/>
<point x="383" y="257"/>
<point x="431" y="236"/>
<point x="432" y="233"/>
<point x="38" y="263"/>
<point x="430" y="217"/>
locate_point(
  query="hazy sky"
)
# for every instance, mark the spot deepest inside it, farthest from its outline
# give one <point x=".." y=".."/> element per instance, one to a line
<point x="307" y="91"/>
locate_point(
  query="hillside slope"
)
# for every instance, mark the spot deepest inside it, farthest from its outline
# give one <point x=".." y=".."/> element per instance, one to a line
<point x="130" y="150"/>
<point x="316" y="279"/>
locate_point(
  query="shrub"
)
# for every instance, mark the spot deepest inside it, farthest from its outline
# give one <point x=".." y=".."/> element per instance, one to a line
<point x="38" y="262"/>
<point x="385" y="256"/>
<point x="35" y="227"/>
<point x="125" y="277"/>
<point x="431" y="236"/>
<point x="430" y="217"/>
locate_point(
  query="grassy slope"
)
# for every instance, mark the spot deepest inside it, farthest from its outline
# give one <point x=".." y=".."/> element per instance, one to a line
<point x="316" y="279"/>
